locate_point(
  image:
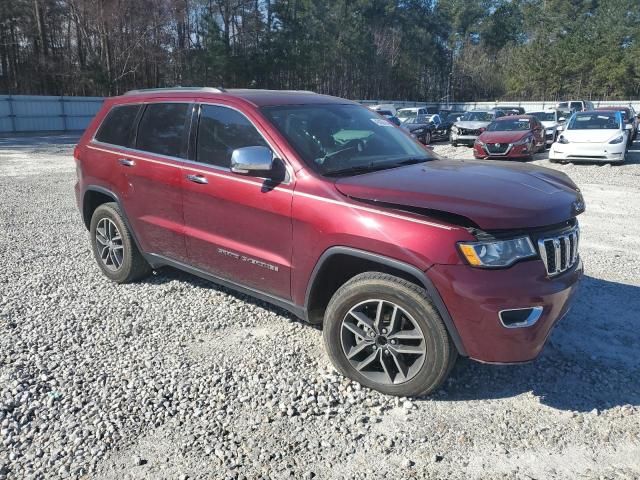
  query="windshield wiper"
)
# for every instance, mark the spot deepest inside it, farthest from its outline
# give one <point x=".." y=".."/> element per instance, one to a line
<point x="373" y="166"/>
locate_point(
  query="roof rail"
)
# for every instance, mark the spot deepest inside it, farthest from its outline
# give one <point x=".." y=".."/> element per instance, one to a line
<point x="176" y="89"/>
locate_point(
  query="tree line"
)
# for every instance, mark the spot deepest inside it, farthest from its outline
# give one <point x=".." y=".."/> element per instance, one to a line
<point x="425" y="50"/>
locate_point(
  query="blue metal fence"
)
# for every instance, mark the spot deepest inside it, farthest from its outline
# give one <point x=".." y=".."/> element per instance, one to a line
<point x="37" y="113"/>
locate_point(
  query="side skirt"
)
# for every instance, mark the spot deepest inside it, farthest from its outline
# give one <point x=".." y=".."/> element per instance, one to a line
<point x="157" y="261"/>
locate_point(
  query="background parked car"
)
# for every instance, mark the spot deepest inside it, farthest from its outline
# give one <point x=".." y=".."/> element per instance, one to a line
<point x="388" y="108"/>
<point x="593" y="136"/>
<point x="424" y="127"/>
<point x="511" y="110"/>
<point x="406" y="113"/>
<point x="471" y="125"/>
<point x="629" y="116"/>
<point x="448" y="118"/>
<point x="551" y="121"/>
<point x="512" y="136"/>
<point x="575" y="105"/>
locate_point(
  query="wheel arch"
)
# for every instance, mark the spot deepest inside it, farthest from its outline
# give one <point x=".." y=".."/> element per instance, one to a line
<point x="94" y="196"/>
<point x="339" y="264"/>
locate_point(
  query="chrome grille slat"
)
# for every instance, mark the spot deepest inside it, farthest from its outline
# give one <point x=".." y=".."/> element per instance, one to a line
<point x="559" y="253"/>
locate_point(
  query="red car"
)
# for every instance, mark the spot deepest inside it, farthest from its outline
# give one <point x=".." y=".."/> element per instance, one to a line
<point x="319" y="206"/>
<point x="514" y="136"/>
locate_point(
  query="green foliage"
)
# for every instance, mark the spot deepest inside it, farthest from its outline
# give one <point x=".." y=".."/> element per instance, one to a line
<point x="393" y="49"/>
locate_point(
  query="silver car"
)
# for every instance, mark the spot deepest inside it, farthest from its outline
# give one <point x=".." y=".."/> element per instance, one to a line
<point x="471" y="125"/>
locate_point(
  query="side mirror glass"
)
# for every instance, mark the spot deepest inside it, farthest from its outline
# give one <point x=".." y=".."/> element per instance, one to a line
<point x="251" y="160"/>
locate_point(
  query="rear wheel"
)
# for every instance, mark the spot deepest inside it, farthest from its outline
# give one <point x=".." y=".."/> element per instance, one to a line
<point x="427" y="138"/>
<point x="383" y="332"/>
<point x="113" y="246"/>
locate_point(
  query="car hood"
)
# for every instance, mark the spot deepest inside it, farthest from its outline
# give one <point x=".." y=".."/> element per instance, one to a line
<point x="503" y="137"/>
<point x="549" y="124"/>
<point x="474" y="125"/>
<point x="492" y="195"/>
<point x="591" y="136"/>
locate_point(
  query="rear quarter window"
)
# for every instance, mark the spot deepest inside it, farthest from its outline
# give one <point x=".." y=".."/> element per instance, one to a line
<point x="162" y="129"/>
<point x="117" y="126"/>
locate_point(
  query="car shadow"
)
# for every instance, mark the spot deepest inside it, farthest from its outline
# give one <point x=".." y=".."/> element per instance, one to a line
<point x="590" y="362"/>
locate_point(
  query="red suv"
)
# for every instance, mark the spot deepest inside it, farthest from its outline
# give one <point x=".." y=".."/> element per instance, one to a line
<point x="322" y="207"/>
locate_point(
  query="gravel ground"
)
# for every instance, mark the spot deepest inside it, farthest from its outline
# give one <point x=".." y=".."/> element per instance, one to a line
<point x="175" y="377"/>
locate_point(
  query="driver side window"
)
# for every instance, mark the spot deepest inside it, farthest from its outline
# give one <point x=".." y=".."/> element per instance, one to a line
<point x="220" y="131"/>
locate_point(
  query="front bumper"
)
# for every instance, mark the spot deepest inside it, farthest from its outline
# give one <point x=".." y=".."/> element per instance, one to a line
<point x="475" y="297"/>
<point x="575" y="152"/>
<point x="513" y="151"/>
<point x="465" y="139"/>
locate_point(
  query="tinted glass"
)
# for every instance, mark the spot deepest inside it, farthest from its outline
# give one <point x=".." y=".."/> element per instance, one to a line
<point x="344" y="139"/>
<point x="576" y="106"/>
<point x="117" y="125"/>
<point x="595" y="121"/>
<point x="162" y="128"/>
<point x="510" y="125"/>
<point x="222" y="130"/>
<point x="477" y="117"/>
<point x="544" y="116"/>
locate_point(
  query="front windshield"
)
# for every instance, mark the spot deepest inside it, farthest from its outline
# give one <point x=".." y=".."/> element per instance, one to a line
<point x="594" y="121"/>
<point x="403" y="114"/>
<point x="477" y="117"/>
<point x="544" y="116"/>
<point x="510" y="125"/>
<point x="335" y="139"/>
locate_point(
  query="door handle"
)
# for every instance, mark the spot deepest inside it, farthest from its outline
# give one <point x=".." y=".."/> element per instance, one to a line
<point x="126" y="162"/>
<point x="197" y="179"/>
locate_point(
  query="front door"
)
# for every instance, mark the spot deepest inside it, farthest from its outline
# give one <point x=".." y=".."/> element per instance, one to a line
<point x="237" y="227"/>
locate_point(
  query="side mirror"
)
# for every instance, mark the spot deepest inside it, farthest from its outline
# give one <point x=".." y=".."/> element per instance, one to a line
<point x="458" y="118"/>
<point x="251" y="160"/>
<point x="628" y="126"/>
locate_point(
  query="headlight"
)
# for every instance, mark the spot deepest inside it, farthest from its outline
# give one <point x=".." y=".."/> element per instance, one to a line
<point x="549" y="131"/>
<point x="497" y="253"/>
<point x="480" y="142"/>
<point x="619" y="139"/>
<point x="562" y="139"/>
<point x="524" y="141"/>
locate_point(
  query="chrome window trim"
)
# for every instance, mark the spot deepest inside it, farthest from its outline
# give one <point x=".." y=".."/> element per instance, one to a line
<point x="290" y="172"/>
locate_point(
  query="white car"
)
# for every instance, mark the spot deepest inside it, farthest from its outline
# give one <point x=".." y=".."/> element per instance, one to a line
<point x="595" y="136"/>
<point x="551" y="120"/>
<point x="466" y="130"/>
<point x="405" y="114"/>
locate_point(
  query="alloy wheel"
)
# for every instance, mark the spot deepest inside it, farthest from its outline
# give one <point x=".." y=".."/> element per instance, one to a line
<point x="383" y="342"/>
<point x="109" y="243"/>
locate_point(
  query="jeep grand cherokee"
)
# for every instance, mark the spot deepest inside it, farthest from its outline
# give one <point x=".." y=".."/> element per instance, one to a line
<point x="320" y="206"/>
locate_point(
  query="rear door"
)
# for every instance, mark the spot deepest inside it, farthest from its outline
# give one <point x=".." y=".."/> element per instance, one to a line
<point x="237" y="227"/>
<point x="152" y="178"/>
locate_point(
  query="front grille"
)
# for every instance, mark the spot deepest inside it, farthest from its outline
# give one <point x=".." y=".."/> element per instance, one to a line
<point x="497" y="147"/>
<point x="466" y="131"/>
<point x="560" y="253"/>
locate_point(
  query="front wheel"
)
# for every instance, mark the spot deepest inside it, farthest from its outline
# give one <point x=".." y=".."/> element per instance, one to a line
<point x="427" y="138"/>
<point x="383" y="332"/>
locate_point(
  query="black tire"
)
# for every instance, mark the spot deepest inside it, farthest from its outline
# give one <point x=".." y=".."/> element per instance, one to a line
<point x="133" y="266"/>
<point x="427" y="138"/>
<point x="440" y="355"/>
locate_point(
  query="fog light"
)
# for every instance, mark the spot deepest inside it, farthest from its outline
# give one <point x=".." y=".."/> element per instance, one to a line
<point x="520" y="317"/>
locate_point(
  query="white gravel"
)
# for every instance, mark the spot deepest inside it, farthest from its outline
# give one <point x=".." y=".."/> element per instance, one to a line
<point x="177" y="378"/>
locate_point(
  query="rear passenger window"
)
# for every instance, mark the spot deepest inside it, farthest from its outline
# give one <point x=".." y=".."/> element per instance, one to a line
<point x="117" y="126"/>
<point x="221" y="130"/>
<point x="162" y="128"/>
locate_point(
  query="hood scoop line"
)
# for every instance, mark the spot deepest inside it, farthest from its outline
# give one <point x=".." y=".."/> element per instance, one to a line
<point x="440" y="215"/>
